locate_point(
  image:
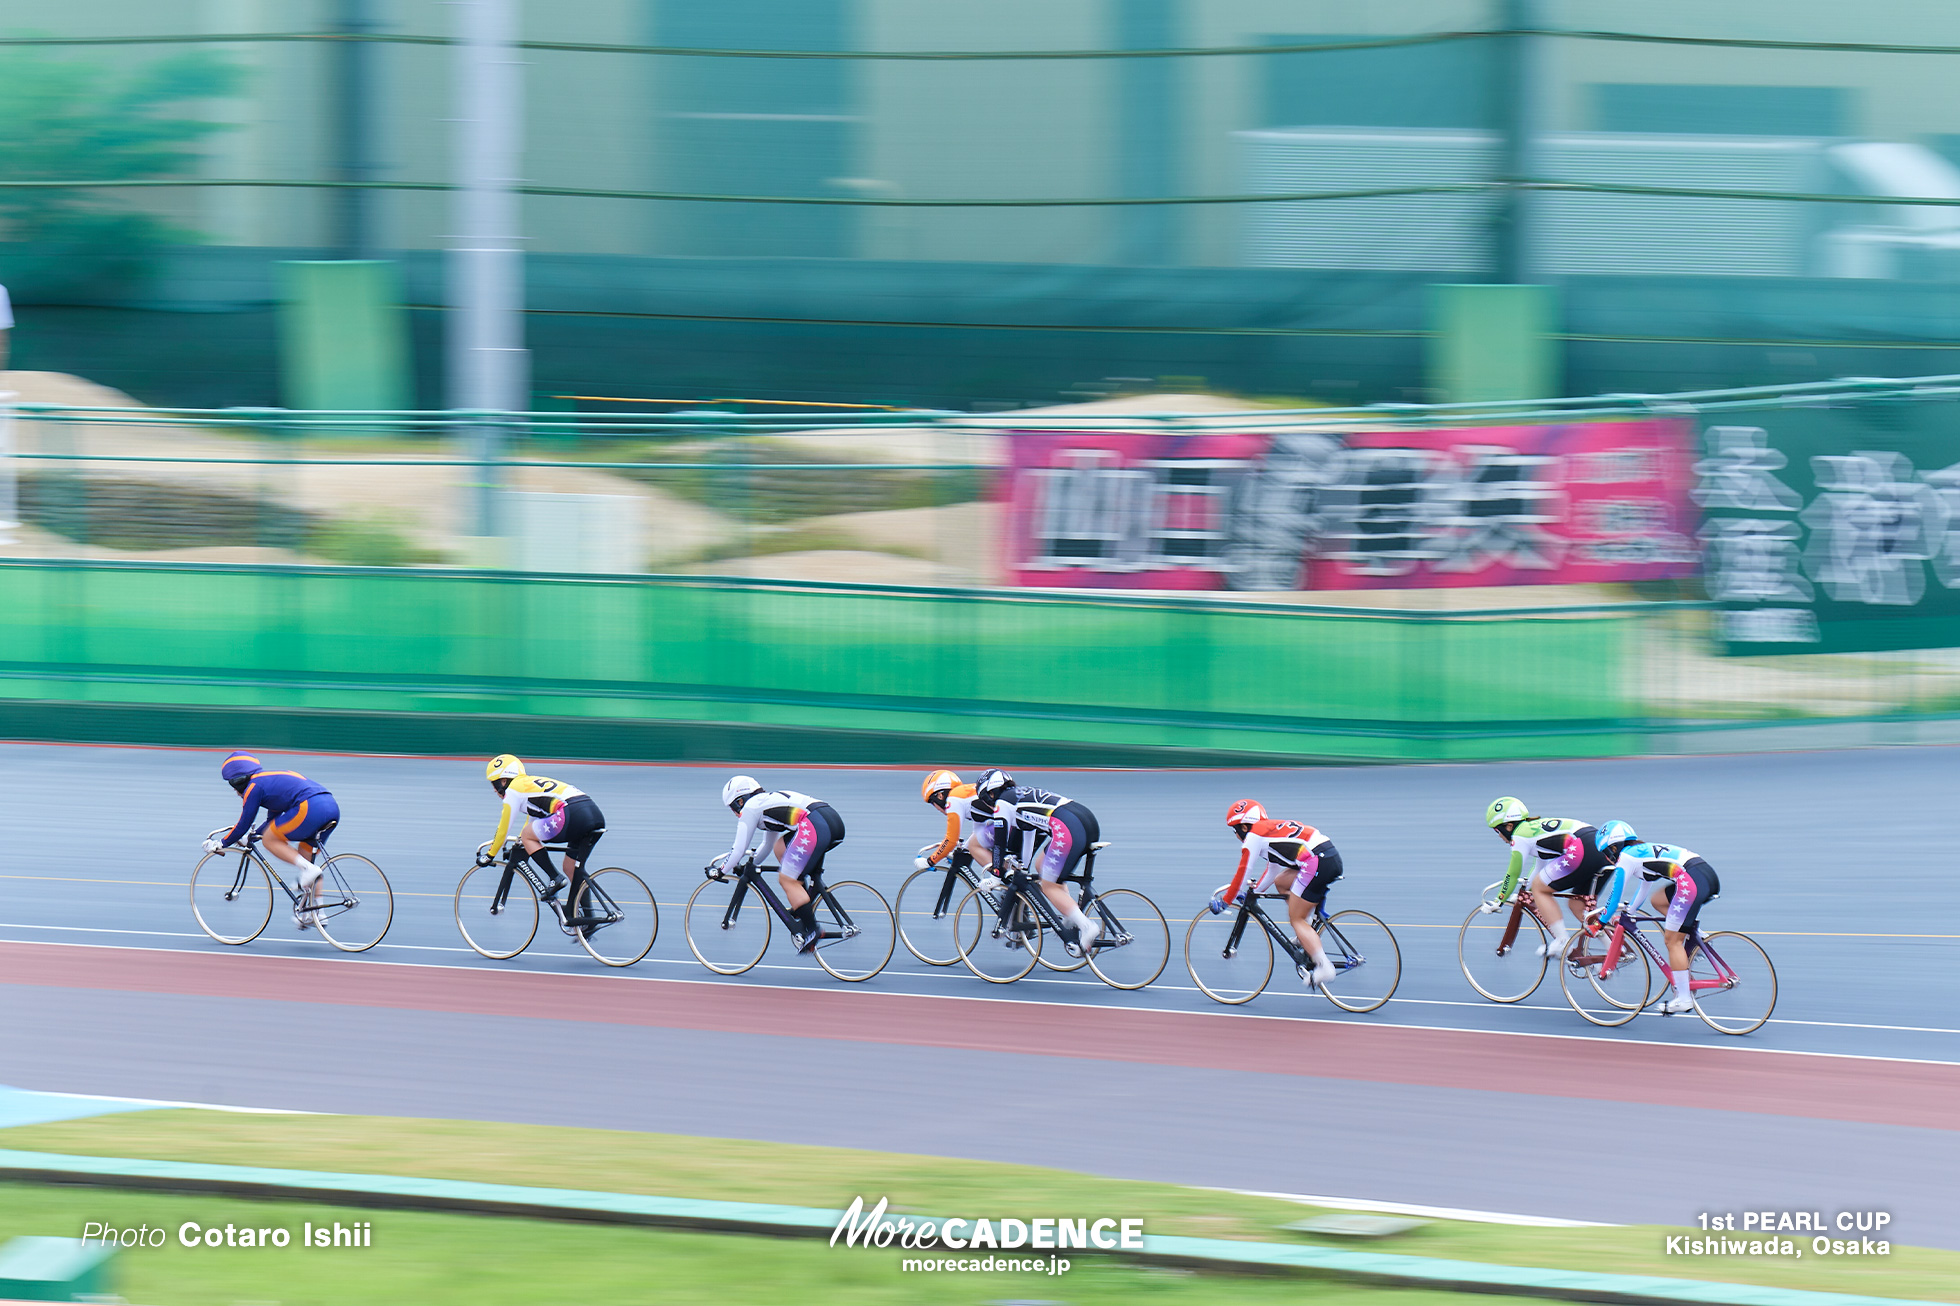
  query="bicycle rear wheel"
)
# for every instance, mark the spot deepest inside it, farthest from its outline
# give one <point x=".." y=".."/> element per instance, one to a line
<point x="856" y="931"/>
<point x="1614" y="999"/>
<point x="1135" y="943"/>
<point x="356" y="904"/>
<point x="496" y="925"/>
<point x="1228" y="970"/>
<point x="626" y="919"/>
<point x="1742" y="991"/>
<point x="926" y="902"/>
<point x="1500" y="971"/>
<point x="997" y="953"/>
<point x="727" y="926"/>
<point x="231" y="896"/>
<point x="1365" y="956"/>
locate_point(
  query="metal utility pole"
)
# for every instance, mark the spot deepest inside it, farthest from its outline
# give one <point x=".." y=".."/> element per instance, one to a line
<point x="489" y="368"/>
<point x="1516" y="67"/>
<point x="353" y="145"/>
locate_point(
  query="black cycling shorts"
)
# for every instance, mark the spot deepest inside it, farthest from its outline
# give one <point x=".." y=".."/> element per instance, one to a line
<point x="584" y="824"/>
<point x="1329" y="870"/>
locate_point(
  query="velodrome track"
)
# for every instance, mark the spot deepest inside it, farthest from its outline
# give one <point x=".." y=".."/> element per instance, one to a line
<point x="1833" y="860"/>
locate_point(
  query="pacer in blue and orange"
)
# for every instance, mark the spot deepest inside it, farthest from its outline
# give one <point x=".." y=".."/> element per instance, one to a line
<point x="299" y="815"/>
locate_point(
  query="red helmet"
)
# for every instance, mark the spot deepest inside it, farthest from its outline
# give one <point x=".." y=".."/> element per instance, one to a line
<point x="1243" y="813"/>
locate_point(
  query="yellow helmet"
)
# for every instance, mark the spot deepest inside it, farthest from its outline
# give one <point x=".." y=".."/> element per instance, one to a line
<point x="937" y="786"/>
<point x="503" y="767"/>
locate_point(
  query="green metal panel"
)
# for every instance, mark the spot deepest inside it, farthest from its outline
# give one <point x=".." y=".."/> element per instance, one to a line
<point x="1490" y="342"/>
<point x="343" y="336"/>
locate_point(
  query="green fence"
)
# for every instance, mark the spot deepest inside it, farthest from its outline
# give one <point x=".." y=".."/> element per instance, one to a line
<point x="434" y="661"/>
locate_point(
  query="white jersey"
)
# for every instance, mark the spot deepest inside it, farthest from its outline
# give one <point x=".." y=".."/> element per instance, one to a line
<point x="767" y="814"/>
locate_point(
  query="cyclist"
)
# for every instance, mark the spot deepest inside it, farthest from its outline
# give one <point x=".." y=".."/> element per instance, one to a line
<point x="804" y="828"/>
<point x="943" y="790"/>
<point x="1014" y="812"/>
<point x="1563" y="856"/>
<point x="1687" y="884"/>
<point x="1296" y="859"/>
<point x="299" y="815"/>
<point x="545" y="810"/>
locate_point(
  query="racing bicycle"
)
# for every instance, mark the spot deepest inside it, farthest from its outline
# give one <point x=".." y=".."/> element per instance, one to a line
<point x="1230" y="955"/>
<point x="728" y="921"/>
<point x="1610" y="979"/>
<point x="928" y="898"/>
<point x="231" y="894"/>
<point x="615" y="918"/>
<point x="999" y="931"/>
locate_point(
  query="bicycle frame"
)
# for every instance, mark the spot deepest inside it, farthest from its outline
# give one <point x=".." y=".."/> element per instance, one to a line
<point x="1249" y="909"/>
<point x="518" y="862"/>
<point x="751" y="879"/>
<point x="251" y="854"/>
<point x="1725" y="976"/>
<point x="1020" y="884"/>
<point x="1521" y="903"/>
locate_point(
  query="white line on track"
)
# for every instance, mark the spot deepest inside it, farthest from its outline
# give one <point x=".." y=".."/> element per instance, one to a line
<point x="1082" y="1006"/>
<point x="1435" y="1212"/>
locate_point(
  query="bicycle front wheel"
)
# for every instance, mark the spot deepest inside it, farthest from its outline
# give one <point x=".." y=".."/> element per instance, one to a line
<point x="855" y="931"/>
<point x="231" y="896"/>
<point x="1500" y="953"/>
<point x="1611" y="999"/>
<point x="996" y="952"/>
<point x="727" y="926"/>
<point x="1135" y="943"/>
<point x="1230" y="956"/>
<point x="1732" y="982"/>
<point x="497" y="921"/>
<point x="1367" y="962"/>
<point x="926" y="902"/>
<point x="354" y="902"/>
<point x="625" y="918"/>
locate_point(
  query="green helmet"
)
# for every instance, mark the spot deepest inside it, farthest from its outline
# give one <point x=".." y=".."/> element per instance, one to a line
<point x="1504" y="811"/>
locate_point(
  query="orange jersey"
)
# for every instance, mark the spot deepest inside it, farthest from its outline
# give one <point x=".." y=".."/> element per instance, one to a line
<point x="959" y="812"/>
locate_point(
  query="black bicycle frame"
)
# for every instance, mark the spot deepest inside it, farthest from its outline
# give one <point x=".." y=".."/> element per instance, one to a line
<point x="751" y="878"/>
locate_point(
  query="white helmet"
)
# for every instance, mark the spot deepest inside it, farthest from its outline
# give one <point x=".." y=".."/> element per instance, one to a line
<point x="738" y="790"/>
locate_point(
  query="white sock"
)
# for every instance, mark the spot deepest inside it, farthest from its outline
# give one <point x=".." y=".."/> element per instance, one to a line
<point x="1680" y="983"/>
<point x="1075" y="917"/>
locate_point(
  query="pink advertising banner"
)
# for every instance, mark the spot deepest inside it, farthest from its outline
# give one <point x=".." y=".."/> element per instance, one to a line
<point x="1509" y="505"/>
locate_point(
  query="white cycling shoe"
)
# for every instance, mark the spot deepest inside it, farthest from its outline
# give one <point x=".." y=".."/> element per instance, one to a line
<point x="1087" y="933"/>
<point x="1316" y="976"/>
<point x="1553" y="949"/>
<point x="306" y="917"/>
<point x="991" y="884"/>
<point x="1677" y="1005"/>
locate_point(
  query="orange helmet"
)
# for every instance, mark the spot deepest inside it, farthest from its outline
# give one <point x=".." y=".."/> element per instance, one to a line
<point x="937" y="786"/>
<point x="1243" y="813"/>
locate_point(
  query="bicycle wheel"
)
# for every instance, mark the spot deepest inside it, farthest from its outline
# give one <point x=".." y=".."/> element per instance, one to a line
<point x="231" y="896"/>
<point x="1742" y="982"/>
<point x="1500" y="971"/>
<point x="727" y="926"/>
<point x="925" y="913"/>
<point x="1230" y="970"/>
<point x="1365" y="954"/>
<point x="496" y="927"/>
<point x="999" y="954"/>
<point x="356" y="905"/>
<point x="1057" y="958"/>
<point x="1588" y="993"/>
<point x="857" y="934"/>
<point x="626" y="918"/>
<point x="1135" y="943"/>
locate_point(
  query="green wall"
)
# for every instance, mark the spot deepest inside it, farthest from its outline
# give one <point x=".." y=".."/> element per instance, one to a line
<point x="436" y="661"/>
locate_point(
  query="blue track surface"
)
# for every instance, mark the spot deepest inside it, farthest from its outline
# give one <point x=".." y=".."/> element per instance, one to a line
<point x="1834" y="861"/>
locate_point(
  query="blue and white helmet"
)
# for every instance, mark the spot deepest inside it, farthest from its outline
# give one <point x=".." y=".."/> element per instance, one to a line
<point x="1613" y="837"/>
